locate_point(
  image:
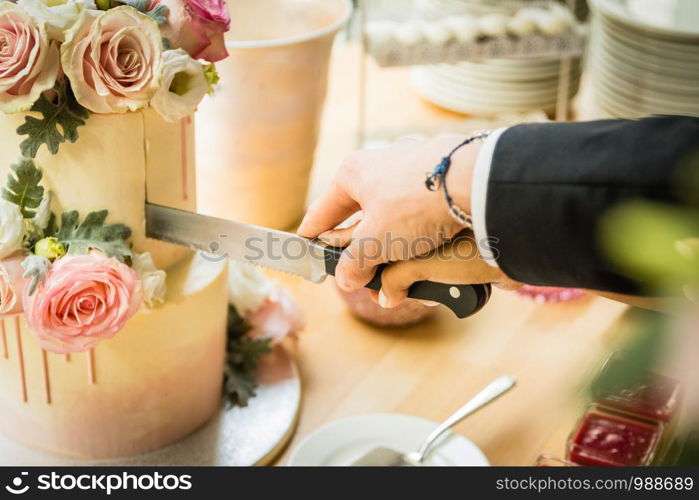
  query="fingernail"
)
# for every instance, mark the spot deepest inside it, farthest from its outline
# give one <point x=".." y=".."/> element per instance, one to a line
<point x="428" y="303"/>
<point x="326" y="238"/>
<point x="383" y="300"/>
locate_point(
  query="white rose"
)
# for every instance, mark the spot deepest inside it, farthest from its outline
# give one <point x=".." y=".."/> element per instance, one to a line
<point x="58" y="15"/>
<point x="152" y="279"/>
<point x="182" y="88"/>
<point x="247" y="287"/>
<point x="11" y="228"/>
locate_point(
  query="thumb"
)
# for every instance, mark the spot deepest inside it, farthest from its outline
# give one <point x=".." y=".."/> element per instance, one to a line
<point x="396" y="280"/>
<point x="334" y="206"/>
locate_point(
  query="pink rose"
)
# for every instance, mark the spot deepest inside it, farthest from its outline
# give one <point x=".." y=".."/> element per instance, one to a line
<point x="113" y="59"/>
<point x="86" y="299"/>
<point x="12" y="284"/>
<point x="277" y="317"/>
<point x="197" y="26"/>
<point x="28" y="59"/>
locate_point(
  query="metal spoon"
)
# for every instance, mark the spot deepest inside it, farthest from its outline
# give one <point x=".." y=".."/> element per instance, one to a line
<point x="388" y="457"/>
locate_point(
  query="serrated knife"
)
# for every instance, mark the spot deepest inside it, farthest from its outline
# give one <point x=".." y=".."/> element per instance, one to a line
<point x="221" y="239"/>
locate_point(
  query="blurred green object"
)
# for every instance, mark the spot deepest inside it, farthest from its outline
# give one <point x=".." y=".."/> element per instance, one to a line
<point x="687" y="451"/>
<point x="639" y="355"/>
<point x="655" y="243"/>
<point x="658" y="243"/>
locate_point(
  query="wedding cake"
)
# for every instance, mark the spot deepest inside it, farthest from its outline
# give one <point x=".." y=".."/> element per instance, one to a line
<point x="111" y="344"/>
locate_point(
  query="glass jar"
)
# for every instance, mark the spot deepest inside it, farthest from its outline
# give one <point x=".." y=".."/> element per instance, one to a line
<point x="653" y="396"/>
<point x="613" y="439"/>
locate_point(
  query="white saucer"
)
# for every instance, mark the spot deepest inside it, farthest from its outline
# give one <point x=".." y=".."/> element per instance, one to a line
<point x="343" y="441"/>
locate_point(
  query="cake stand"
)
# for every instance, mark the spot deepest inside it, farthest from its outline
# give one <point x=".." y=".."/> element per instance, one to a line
<point x="253" y="435"/>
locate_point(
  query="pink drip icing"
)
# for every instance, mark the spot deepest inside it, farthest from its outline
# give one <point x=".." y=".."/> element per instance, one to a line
<point x="5" y="352"/>
<point x="184" y="122"/>
<point x="91" y="378"/>
<point x="20" y="354"/>
<point x="47" y="381"/>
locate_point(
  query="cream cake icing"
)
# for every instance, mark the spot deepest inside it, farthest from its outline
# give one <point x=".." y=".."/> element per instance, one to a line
<point x="154" y="383"/>
<point x="160" y="377"/>
<point x="114" y="163"/>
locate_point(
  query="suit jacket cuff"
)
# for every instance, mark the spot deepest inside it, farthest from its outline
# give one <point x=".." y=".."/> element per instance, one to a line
<point x="479" y="195"/>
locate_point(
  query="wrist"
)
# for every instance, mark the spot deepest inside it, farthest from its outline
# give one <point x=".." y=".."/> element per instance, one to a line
<point x="460" y="177"/>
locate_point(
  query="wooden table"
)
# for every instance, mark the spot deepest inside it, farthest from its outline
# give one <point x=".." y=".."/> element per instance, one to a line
<point x="429" y="370"/>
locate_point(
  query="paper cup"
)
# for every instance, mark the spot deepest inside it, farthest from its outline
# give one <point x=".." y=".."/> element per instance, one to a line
<point x="258" y="133"/>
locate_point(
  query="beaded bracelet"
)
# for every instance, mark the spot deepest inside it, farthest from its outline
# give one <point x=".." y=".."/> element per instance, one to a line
<point x="438" y="178"/>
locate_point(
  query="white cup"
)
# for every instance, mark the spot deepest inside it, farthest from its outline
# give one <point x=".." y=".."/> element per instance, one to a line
<point x="256" y="136"/>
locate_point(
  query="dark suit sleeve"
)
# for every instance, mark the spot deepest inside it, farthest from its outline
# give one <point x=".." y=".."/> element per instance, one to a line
<point x="551" y="183"/>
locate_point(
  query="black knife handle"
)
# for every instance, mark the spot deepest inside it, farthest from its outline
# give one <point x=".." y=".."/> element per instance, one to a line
<point x="463" y="300"/>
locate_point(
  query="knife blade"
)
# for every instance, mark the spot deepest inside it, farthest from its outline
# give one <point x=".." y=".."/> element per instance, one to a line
<point x="310" y="259"/>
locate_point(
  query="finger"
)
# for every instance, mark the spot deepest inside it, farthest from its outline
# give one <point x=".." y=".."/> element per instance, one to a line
<point x="334" y="206"/>
<point x="359" y="260"/>
<point x="339" y="237"/>
<point x="397" y="279"/>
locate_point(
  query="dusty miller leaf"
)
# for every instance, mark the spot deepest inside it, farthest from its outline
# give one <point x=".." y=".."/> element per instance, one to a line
<point x="93" y="233"/>
<point x="35" y="269"/>
<point x="242" y="360"/>
<point x="23" y="187"/>
<point x="158" y="13"/>
<point x="59" y="123"/>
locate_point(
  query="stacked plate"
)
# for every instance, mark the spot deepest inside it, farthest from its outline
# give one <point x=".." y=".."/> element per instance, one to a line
<point x="495" y="86"/>
<point x="643" y="57"/>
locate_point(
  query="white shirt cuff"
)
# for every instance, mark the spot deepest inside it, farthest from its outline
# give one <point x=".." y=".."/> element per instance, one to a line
<point x="479" y="195"/>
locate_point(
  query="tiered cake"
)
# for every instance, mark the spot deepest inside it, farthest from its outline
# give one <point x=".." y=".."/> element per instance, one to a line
<point x="160" y="377"/>
<point x="111" y="344"/>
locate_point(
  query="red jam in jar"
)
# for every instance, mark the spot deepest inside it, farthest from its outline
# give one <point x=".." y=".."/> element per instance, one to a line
<point x="607" y="439"/>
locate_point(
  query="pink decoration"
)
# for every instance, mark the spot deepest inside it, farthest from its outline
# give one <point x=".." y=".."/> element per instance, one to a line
<point x="86" y="299"/>
<point x="277" y="317"/>
<point x="12" y="284"/>
<point x="543" y="294"/>
<point x="197" y="26"/>
<point x="408" y="313"/>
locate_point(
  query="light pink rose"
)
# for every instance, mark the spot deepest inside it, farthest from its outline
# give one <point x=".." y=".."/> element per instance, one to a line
<point x="12" y="284"/>
<point x="276" y="318"/>
<point x="197" y="26"/>
<point x="86" y="299"/>
<point x="28" y="59"/>
<point x="113" y="59"/>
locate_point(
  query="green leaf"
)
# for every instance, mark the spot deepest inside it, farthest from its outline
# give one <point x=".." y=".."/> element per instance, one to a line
<point x="158" y="13"/>
<point x="23" y="187"/>
<point x="93" y="233"/>
<point x="239" y="387"/>
<point x="242" y="360"/>
<point x="59" y="123"/>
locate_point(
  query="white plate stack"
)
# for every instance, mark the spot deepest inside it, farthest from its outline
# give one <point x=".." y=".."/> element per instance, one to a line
<point x="494" y="86"/>
<point x="643" y="57"/>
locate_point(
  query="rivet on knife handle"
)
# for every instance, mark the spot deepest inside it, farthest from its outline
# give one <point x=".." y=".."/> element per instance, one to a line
<point x="463" y="300"/>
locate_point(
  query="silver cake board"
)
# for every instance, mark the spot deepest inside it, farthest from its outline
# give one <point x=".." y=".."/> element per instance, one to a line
<point x="253" y="435"/>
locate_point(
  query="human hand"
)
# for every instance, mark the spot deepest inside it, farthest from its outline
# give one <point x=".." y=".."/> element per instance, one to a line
<point x="401" y="218"/>
<point x="457" y="262"/>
